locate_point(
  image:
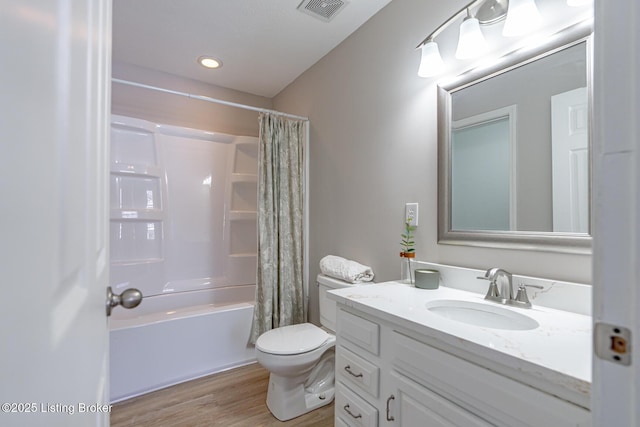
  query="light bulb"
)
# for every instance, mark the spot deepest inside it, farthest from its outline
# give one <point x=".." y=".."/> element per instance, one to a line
<point x="522" y="18"/>
<point x="431" y="62"/>
<point x="471" y="42"/>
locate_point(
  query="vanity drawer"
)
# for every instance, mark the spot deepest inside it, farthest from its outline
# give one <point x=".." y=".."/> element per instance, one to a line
<point x="354" y="409"/>
<point x="493" y="397"/>
<point x="359" y="331"/>
<point x="355" y="370"/>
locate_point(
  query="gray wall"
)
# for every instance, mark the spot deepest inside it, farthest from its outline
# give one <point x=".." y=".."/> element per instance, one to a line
<point x="373" y="148"/>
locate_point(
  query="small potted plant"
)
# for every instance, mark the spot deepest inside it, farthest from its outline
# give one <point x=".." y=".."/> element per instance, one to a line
<point x="407" y="243"/>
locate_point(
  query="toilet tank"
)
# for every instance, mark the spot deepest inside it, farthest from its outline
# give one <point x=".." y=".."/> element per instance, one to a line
<point x="328" y="313"/>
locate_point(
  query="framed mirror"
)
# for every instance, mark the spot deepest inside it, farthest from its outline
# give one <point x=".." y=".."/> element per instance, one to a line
<point x="514" y="160"/>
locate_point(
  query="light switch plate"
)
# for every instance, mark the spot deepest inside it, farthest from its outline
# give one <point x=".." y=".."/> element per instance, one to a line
<point x="411" y="213"/>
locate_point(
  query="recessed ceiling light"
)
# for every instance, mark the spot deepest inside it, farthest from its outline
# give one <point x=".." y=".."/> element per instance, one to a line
<point x="209" y="62"/>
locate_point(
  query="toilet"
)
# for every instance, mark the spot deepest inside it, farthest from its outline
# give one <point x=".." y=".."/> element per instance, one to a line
<point x="301" y="359"/>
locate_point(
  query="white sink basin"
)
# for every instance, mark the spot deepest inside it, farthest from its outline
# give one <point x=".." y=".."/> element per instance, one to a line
<point x="483" y="315"/>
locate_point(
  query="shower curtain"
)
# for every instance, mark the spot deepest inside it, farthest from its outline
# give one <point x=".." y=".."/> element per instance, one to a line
<point x="279" y="281"/>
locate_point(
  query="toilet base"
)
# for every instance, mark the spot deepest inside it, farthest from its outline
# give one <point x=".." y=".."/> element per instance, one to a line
<point x="287" y="397"/>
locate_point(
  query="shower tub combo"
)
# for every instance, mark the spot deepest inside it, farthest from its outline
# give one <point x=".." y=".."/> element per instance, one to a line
<point x="183" y="231"/>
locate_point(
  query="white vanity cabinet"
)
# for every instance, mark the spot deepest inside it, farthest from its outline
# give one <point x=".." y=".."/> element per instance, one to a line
<point x="411" y="404"/>
<point x="358" y="371"/>
<point x="387" y="375"/>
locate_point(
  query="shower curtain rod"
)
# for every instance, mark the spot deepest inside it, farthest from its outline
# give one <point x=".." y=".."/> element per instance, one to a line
<point x="209" y="99"/>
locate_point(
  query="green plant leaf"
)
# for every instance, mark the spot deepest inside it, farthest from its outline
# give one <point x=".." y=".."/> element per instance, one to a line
<point x="408" y="241"/>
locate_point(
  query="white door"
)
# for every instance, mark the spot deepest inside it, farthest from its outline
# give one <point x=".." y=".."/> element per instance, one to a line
<point x="570" y="161"/>
<point x="615" y="400"/>
<point x="54" y="108"/>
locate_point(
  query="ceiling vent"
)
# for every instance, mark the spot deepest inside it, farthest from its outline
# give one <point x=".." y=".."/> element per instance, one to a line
<point x="324" y="10"/>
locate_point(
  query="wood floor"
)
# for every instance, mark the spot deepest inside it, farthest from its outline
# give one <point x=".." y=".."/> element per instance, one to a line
<point x="234" y="398"/>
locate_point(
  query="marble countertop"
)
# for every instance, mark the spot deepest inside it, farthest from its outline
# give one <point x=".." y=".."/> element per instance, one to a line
<point x="554" y="357"/>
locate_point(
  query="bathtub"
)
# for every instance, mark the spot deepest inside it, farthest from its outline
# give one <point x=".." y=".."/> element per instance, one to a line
<point x="173" y="338"/>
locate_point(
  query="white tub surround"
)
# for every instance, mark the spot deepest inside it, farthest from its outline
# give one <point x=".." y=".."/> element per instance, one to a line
<point x="183" y="208"/>
<point x="504" y="377"/>
<point x="183" y="232"/>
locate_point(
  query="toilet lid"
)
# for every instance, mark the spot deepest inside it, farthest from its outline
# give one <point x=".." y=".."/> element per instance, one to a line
<point x="294" y="339"/>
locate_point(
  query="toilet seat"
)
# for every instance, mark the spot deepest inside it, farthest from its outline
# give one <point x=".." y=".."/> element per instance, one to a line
<point x="290" y="340"/>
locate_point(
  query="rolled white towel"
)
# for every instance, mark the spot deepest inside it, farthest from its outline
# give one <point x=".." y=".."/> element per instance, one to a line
<point x="344" y="269"/>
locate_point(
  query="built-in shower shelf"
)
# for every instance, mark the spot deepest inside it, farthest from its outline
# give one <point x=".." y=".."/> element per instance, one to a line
<point x="136" y="169"/>
<point x="136" y="214"/>
<point x="243" y="215"/>
<point x="244" y="177"/>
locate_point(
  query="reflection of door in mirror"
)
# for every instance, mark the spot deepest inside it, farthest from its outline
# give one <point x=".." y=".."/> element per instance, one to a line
<point x="483" y="171"/>
<point x="570" y="161"/>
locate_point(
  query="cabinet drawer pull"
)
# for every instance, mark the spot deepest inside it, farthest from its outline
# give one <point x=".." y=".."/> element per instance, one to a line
<point x="348" y="369"/>
<point x="346" y="408"/>
<point x="390" y="418"/>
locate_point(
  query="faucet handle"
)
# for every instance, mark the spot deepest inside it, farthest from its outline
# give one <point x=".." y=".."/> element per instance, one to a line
<point x="493" y="293"/>
<point x="522" y="296"/>
<point x="521" y="299"/>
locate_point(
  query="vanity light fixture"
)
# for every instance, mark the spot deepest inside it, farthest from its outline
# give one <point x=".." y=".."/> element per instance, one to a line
<point x="431" y="63"/>
<point x="209" y="62"/>
<point x="471" y="41"/>
<point x="522" y="18"/>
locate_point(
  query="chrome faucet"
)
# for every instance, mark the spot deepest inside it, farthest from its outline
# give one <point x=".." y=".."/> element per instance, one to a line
<point x="503" y="293"/>
<point x="498" y="292"/>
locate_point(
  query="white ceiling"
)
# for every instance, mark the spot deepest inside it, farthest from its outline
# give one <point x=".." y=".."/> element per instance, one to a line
<point x="263" y="44"/>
